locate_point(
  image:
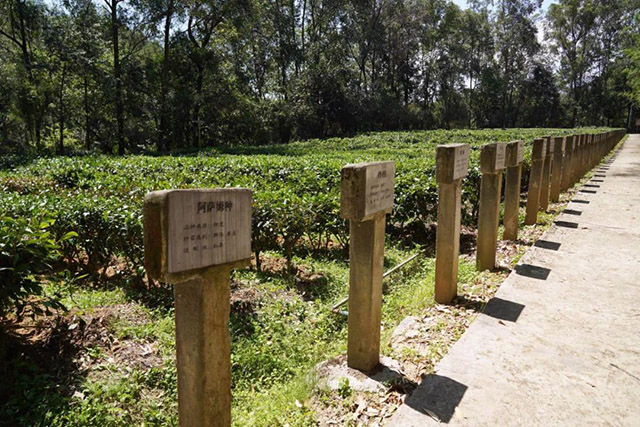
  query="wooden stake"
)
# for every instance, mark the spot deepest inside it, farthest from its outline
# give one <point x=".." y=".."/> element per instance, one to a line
<point x="193" y="239"/>
<point x="567" y="165"/>
<point x="515" y="154"/>
<point x="366" y="197"/>
<point x="366" y="255"/>
<point x="203" y="348"/>
<point x="546" y="176"/>
<point x="452" y="162"/>
<point x="556" y="174"/>
<point x="492" y="162"/>
<point x="535" y="180"/>
<point x="578" y="169"/>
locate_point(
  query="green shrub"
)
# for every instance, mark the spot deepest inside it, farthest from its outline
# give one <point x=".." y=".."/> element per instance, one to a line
<point x="296" y="190"/>
<point x="28" y="252"/>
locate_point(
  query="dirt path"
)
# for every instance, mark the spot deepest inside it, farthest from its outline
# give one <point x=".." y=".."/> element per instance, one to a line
<point x="560" y="342"/>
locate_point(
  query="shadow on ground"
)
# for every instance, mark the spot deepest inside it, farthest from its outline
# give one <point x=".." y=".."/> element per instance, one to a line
<point x="438" y="397"/>
<point x="546" y="244"/>
<point x="532" y="271"/>
<point x="502" y="309"/>
<point x="41" y="371"/>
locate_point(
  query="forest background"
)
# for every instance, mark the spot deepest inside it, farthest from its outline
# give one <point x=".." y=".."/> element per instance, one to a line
<point x="131" y="76"/>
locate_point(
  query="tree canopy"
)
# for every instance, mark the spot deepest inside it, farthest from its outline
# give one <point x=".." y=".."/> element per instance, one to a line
<point x="122" y="76"/>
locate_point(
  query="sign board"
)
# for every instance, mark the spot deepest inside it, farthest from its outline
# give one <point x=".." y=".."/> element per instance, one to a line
<point x="515" y="153"/>
<point x="192" y="229"/>
<point x="492" y="157"/>
<point x="366" y="189"/>
<point x="452" y="162"/>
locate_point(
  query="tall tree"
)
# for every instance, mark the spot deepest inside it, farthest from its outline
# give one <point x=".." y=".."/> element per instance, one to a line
<point x="21" y="26"/>
<point x="516" y="45"/>
<point x="112" y="8"/>
<point x="572" y="24"/>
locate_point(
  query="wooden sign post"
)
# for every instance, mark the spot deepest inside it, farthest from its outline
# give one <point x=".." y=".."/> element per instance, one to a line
<point x="546" y="175"/>
<point x="587" y="153"/>
<point x="556" y="174"/>
<point x="492" y="162"/>
<point x="535" y="179"/>
<point x="366" y="196"/>
<point x="576" y="161"/>
<point x="193" y="239"/>
<point x="578" y="169"/>
<point x="567" y="166"/>
<point x="452" y="164"/>
<point x="592" y="151"/>
<point x="515" y="155"/>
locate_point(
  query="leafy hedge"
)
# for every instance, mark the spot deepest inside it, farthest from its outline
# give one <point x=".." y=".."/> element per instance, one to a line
<point x="296" y="190"/>
<point x="28" y="252"/>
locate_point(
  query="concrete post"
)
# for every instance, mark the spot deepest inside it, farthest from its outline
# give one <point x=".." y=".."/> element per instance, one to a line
<point x="546" y="175"/>
<point x="492" y="162"/>
<point x="515" y="154"/>
<point x="452" y="163"/>
<point x="366" y="197"/>
<point x="535" y="178"/>
<point x="567" y="165"/>
<point x="556" y="174"/>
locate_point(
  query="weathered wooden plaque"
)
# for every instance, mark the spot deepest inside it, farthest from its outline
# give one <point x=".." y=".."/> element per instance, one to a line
<point x="550" y="146"/>
<point x="452" y="162"/>
<point x="493" y="157"/>
<point x="515" y="153"/>
<point x="192" y="229"/>
<point x="366" y="189"/>
<point x="540" y="149"/>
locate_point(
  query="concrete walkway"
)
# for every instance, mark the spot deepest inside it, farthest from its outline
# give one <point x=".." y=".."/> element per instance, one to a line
<point x="560" y="342"/>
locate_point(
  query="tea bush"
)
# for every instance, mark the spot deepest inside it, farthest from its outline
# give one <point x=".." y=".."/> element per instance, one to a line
<point x="28" y="251"/>
<point x="296" y="189"/>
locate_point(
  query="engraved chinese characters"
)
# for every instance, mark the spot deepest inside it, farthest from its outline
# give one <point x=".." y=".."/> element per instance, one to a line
<point x="452" y="163"/>
<point x="366" y="188"/>
<point x="202" y="228"/>
<point x="379" y="187"/>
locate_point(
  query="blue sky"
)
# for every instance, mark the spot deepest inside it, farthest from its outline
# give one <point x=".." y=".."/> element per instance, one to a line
<point x="463" y="3"/>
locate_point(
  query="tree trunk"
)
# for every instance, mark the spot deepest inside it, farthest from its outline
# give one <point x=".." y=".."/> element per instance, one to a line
<point x="26" y="58"/>
<point x="117" y="72"/>
<point x="87" y="124"/>
<point x="197" y="108"/>
<point x="61" y="111"/>
<point x="163" y="141"/>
